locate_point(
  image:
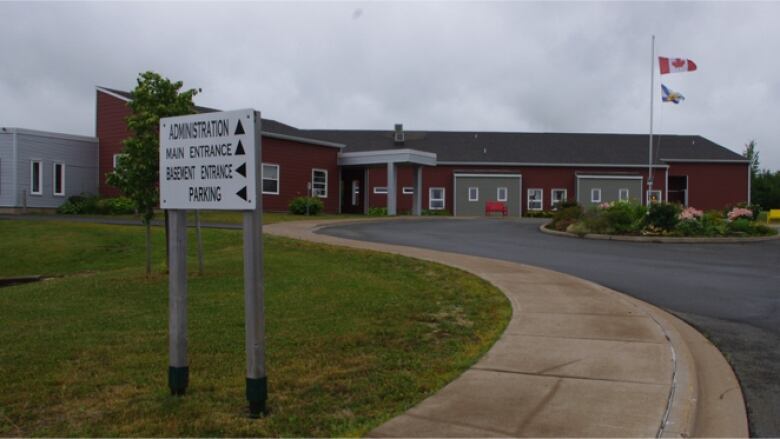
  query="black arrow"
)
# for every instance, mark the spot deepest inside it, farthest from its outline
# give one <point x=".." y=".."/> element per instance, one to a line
<point x="242" y="169"/>
<point x="239" y="149"/>
<point x="242" y="193"/>
<point x="239" y="128"/>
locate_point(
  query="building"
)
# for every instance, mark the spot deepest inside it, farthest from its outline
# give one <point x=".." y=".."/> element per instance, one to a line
<point x="459" y="171"/>
<point x="40" y="170"/>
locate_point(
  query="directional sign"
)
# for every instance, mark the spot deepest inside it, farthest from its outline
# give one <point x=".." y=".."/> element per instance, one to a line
<point x="207" y="161"/>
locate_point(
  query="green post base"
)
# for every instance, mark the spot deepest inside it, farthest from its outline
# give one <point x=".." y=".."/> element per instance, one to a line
<point x="257" y="394"/>
<point x="178" y="378"/>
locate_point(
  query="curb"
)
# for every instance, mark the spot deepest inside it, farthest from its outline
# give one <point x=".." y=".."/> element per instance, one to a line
<point x="661" y="239"/>
<point x="690" y="409"/>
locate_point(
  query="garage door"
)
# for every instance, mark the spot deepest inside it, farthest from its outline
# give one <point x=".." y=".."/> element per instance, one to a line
<point x="472" y="191"/>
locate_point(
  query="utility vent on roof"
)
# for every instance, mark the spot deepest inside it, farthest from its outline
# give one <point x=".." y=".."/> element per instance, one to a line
<point x="398" y="138"/>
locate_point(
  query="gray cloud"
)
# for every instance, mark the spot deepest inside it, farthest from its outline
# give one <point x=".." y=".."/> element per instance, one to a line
<point x="576" y="67"/>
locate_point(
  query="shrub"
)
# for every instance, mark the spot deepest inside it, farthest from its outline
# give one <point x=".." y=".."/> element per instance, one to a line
<point x="740" y="212"/>
<point x="442" y="212"/>
<point x="740" y="226"/>
<point x="663" y="216"/>
<point x="299" y="205"/>
<point x="377" y="211"/>
<point x="689" y="227"/>
<point x="624" y="217"/>
<point x="566" y="215"/>
<point x="115" y="206"/>
<point x="91" y="204"/>
<point x="713" y="224"/>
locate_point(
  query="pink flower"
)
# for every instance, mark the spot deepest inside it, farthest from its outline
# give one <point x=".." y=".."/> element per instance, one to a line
<point x="740" y="212"/>
<point x="605" y="205"/>
<point x="690" y="213"/>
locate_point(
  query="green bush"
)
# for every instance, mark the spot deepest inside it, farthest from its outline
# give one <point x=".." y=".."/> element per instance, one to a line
<point x="86" y="204"/>
<point x="442" y="212"/>
<point x="740" y="226"/>
<point x="377" y="211"/>
<point x="300" y="205"/>
<point x="115" y="206"/>
<point x="689" y="228"/>
<point x="624" y="217"/>
<point x="539" y="214"/>
<point x="713" y="224"/>
<point x="663" y="216"/>
<point x="565" y="216"/>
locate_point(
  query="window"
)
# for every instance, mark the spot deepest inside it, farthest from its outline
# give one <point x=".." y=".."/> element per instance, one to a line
<point x="380" y="190"/>
<point x="473" y="193"/>
<point x="270" y="176"/>
<point x="654" y="197"/>
<point x="117" y="159"/>
<point x="319" y="183"/>
<point x="436" y="198"/>
<point x="59" y="179"/>
<point x="623" y="194"/>
<point x="557" y="196"/>
<point x="595" y="195"/>
<point x="502" y="194"/>
<point x="535" y="199"/>
<point x="408" y="190"/>
<point x="36" y="178"/>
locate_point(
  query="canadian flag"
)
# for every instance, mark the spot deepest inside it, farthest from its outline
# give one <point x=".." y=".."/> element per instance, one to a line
<point x="675" y="65"/>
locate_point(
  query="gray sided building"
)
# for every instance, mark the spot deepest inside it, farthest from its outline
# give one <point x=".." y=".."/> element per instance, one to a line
<point x="40" y="170"/>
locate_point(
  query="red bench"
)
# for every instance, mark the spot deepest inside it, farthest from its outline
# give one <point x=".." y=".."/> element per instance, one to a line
<point x="496" y="206"/>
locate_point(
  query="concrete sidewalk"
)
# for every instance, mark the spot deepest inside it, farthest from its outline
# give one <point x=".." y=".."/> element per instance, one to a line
<point x="577" y="359"/>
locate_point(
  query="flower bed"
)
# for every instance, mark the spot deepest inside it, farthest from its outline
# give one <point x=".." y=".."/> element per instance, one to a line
<point x="659" y="219"/>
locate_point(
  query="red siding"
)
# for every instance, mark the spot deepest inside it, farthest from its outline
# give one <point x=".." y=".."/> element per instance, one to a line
<point x="714" y="185"/>
<point x="296" y="161"/>
<point x="111" y="130"/>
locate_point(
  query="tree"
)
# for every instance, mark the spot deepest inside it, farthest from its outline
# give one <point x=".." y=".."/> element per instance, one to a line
<point x="137" y="171"/>
<point x="751" y="153"/>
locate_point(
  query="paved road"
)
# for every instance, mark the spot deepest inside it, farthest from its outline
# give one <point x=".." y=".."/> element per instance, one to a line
<point x="730" y="292"/>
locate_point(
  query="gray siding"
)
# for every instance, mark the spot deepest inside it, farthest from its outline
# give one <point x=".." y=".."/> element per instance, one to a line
<point x="488" y="189"/>
<point x="80" y="157"/>
<point x="7" y="183"/>
<point x="610" y="188"/>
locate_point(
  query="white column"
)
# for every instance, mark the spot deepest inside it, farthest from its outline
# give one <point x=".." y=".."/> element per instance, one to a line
<point x="417" y="195"/>
<point x="391" y="198"/>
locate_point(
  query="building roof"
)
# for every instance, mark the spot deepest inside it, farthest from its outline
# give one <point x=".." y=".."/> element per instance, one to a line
<point x="504" y="148"/>
<point x="460" y="147"/>
<point x="270" y="127"/>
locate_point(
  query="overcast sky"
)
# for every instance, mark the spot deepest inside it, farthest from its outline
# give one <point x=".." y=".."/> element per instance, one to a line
<point x="507" y="66"/>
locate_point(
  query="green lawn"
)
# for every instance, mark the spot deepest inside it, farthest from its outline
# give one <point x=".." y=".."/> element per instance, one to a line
<point x="353" y="337"/>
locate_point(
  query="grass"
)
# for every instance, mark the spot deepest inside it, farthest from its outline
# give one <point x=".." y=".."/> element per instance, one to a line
<point x="353" y="337"/>
<point x="233" y="217"/>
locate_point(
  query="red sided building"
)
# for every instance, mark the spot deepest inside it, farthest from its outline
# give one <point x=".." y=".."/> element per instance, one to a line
<point x="459" y="172"/>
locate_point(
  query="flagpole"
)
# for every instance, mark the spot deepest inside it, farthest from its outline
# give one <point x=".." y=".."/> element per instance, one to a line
<point x="652" y="98"/>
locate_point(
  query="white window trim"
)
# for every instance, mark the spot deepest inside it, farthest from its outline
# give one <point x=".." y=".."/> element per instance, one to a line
<point x="116" y="157"/>
<point x="355" y="188"/>
<point x="407" y="190"/>
<point x="506" y="194"/>
<point x="541" y="199"/>
<point x="380" y="190"/>
<point x="40" y="177"/>
<point x="594" y="191"/>
<point x="54" y="179"/>
<point x="325" y="171"/>
<point x="552" y="196"/>
<point x="278" y="179"/>
<point x="627" y="192"/>
<point x="476" y="193"/>
<point x="443" y="198"/>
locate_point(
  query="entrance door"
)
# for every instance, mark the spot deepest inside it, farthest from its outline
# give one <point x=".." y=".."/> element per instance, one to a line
<point x="352" y="187"/>
<point x="678" y="189"/>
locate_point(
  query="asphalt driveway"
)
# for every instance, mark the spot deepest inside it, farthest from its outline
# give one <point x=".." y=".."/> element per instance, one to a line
<point x="730" y="292"/>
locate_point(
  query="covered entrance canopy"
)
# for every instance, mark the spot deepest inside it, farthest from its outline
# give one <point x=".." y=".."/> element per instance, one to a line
<point x="390" y="158"/>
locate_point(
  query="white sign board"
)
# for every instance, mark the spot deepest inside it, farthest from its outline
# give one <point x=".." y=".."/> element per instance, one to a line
<point x="207" y="161"/>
